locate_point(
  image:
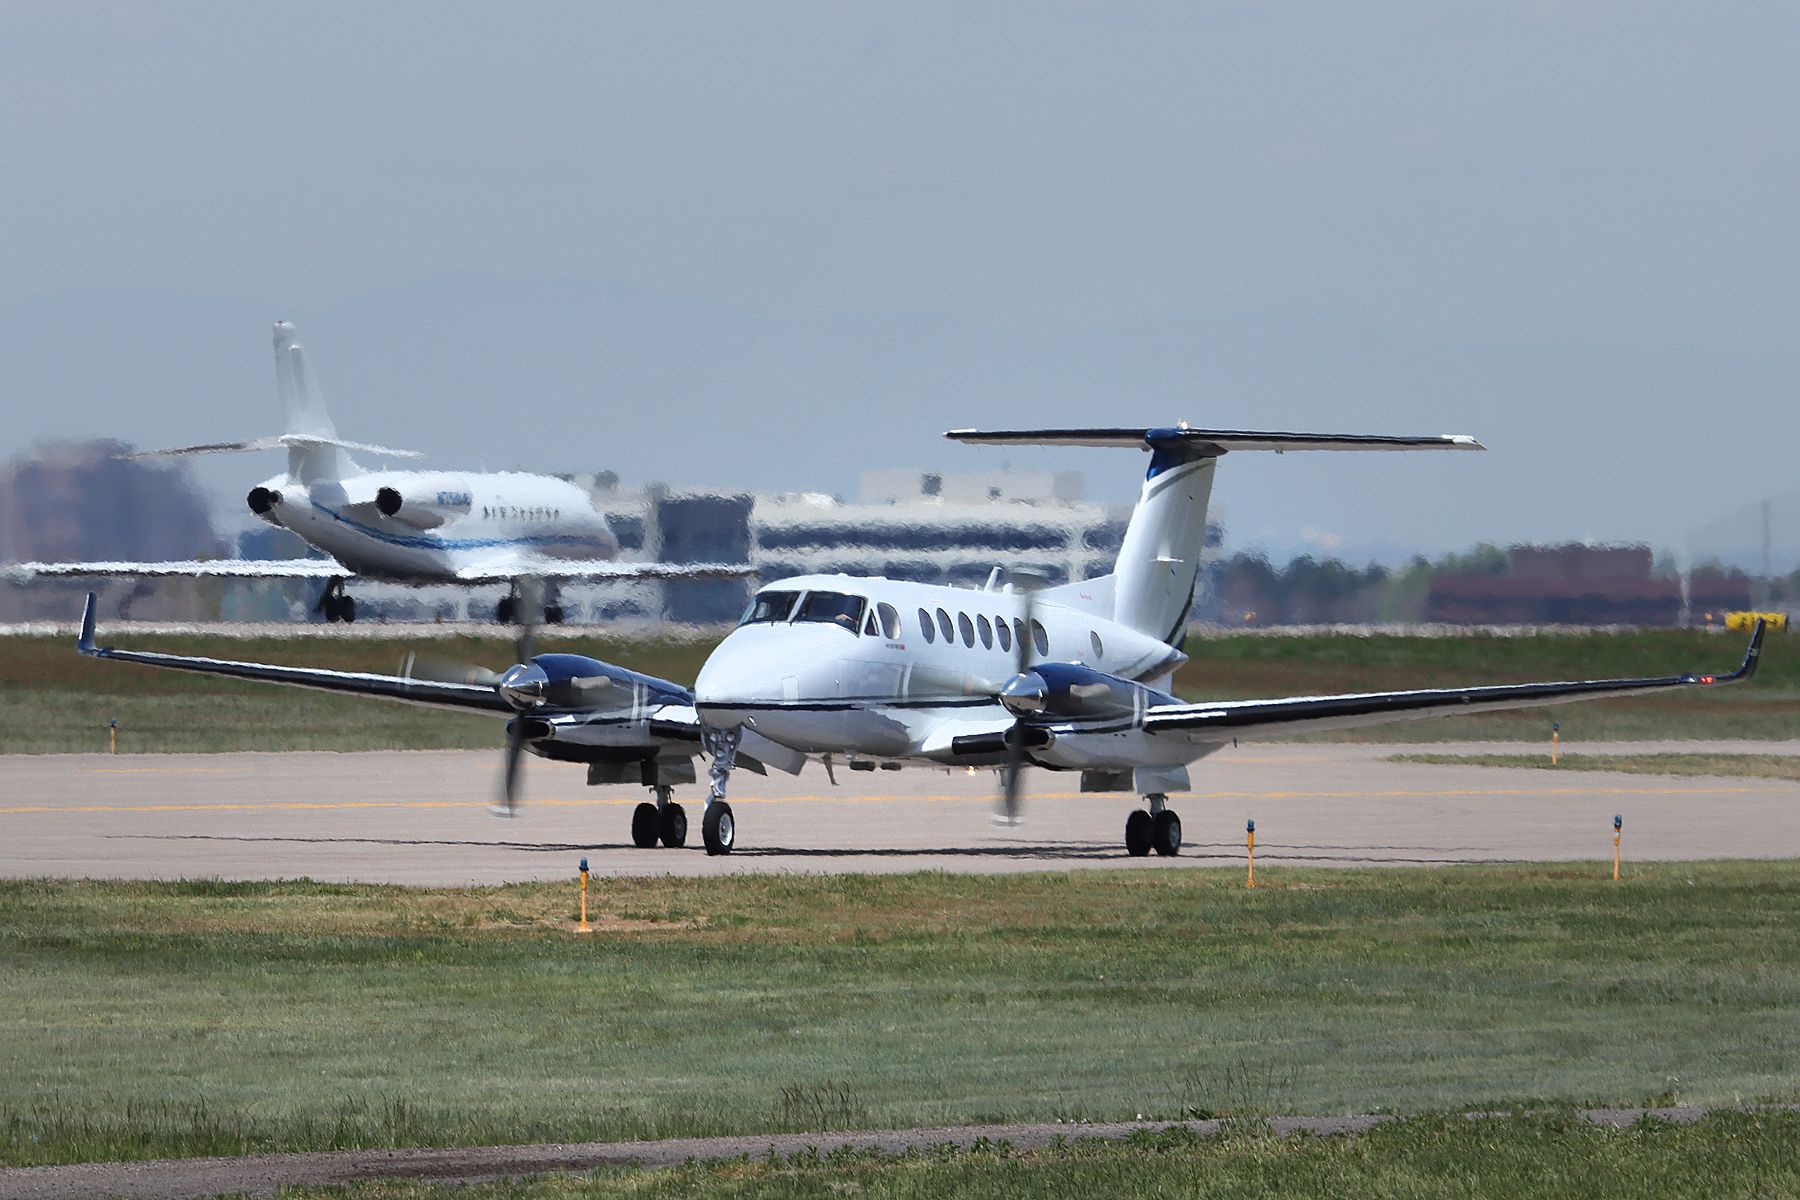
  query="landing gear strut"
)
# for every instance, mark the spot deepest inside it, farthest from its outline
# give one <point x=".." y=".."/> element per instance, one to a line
<point x="717" y="827"/>
<point x="334" y="603"/>
<point x="1157" y="828"/>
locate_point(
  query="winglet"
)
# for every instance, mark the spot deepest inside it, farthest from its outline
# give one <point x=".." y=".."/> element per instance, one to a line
<point x="86" y="643"/>
<point x="1752" y="657"/>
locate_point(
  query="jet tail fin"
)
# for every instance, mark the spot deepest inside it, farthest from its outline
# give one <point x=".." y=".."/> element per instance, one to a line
<point x="315" y="451"/>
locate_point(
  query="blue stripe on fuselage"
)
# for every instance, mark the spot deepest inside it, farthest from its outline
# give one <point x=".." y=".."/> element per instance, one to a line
<point x="427" y="542"/>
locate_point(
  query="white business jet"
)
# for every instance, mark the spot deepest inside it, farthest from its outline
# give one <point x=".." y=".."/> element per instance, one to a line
<point x="885" y="673"/>
<point x="411" y="527"/>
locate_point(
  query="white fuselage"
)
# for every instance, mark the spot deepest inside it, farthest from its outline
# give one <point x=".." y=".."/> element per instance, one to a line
<point x="888" y="688"/>
<point x="446" y="527"/>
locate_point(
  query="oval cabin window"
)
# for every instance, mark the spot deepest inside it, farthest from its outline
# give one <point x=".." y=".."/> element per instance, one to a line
<point x="1003" y="631"/>
<point x="986" y="631"/>
<point x="925" y="627"/>
<point x="1040" y="639"/>
<point x="1099" y="648"/>
<point x="944" y="626"/>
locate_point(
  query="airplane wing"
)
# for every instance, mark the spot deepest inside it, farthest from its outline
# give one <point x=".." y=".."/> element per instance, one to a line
<point x="225" y="568"/>
<point x="597" y="571"/>
<point x="1221" y="722"/>
<point x="460" y="696"/>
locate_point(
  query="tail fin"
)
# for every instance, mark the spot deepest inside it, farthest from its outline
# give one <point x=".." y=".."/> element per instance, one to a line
<point x="315" y="452"/>
<point x="317" y="459"/>
<point x="1159" y="561"/>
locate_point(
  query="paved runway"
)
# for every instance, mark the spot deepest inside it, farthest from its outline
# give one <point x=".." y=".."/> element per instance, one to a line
<point x="423" y="817"/>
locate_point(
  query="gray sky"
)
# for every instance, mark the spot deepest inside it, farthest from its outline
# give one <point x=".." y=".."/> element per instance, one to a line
<point x="769" y="245"/>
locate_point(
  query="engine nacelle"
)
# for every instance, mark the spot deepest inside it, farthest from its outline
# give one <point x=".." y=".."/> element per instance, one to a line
<point x="262" y="502"/>
<point x="1069" y="690"/>
<point x="426" y="510"/>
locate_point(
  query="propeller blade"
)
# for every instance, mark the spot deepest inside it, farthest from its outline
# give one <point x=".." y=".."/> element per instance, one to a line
<point x="509" y="776"/>
<point x="1012" y="775"/>
<point x="446" y="670"/>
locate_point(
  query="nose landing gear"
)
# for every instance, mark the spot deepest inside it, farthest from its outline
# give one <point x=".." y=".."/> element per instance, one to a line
<point x="718" y="828"/>
<point x="1158" y="828"/>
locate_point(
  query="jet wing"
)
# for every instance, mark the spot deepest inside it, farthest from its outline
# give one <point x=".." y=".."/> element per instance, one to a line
<point x="461" y="696"/>
<point x="598" y="571"/>
<point x="226" y="568"/>
<point x="1221" y="722"/>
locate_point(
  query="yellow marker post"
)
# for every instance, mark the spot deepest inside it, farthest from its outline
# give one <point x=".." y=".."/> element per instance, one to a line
<point x="112" y="730"/>
<point x="1555" y="741"/>
<point x="1618" y="828"/>
<point x="1250" y="841"/>
<point x="584" y="927"/>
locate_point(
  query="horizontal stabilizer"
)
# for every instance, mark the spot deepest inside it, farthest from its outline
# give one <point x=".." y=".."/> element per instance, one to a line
<point x="283" y="442"/>
<point x="1211" y="441"/>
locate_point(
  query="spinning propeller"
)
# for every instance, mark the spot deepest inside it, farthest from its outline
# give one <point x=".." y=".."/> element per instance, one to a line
<point x="1023" y="696"/>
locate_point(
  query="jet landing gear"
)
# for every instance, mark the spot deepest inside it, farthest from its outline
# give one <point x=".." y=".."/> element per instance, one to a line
<point x="665" y="822"/>
<point x="526" y="605"/>
<point x="335" y="604"/>
<point x="1157" y="828"/>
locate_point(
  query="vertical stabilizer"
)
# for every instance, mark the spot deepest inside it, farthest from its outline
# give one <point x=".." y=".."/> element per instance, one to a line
<point x="1159" y="561"/>
<point x="303" y="413"/>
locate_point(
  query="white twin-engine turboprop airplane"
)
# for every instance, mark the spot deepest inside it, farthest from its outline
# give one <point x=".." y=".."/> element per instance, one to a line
<point x="881" y="673"/>
<point x="413" y="527"/>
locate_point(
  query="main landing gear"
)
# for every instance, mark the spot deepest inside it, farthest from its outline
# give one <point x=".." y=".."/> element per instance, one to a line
<point x="519" y="607"/>
<point x="335" y="604"/>
<point x="665" y="822"/>
<point x="1157" y="828"/>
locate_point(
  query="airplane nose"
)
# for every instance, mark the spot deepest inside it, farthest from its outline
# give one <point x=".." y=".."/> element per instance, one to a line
<point x="736" y="676"/>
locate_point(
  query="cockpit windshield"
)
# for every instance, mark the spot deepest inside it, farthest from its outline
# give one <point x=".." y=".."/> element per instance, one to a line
<point x="835" y="608"/>
<point x="768" y="607"/>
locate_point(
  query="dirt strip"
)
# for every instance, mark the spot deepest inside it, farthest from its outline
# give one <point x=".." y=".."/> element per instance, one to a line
<point x="264" y="1174"/>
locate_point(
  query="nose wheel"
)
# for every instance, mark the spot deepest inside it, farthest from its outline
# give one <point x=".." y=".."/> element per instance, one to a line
<point x="1157" y="828"/>
<point x="718" y="828"/>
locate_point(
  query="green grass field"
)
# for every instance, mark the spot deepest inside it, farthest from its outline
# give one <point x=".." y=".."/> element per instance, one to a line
<point x="1532" y="1157"/>
<point x="143" y="1019"/>
<point x="53" y="701"/>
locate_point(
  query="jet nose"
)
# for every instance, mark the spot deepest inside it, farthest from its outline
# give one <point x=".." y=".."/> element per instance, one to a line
<point x="522" y="686"/>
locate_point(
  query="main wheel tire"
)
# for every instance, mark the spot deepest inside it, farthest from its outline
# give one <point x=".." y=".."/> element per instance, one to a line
<point x="718" y="829"/>
<point x="332" y="609"/>
<point x="553" y="614"/>
<point x="503" y="611"/>
<point x="673" y="827"/>
<point x="1165" y="833"/>
<point x="645" y="821"/>
<point x="347" y="609"/>
<point x="1137" y="833"/>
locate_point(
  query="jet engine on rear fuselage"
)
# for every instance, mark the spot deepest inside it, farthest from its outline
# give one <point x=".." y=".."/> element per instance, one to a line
<point x="425" y="507"/>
